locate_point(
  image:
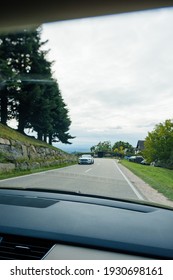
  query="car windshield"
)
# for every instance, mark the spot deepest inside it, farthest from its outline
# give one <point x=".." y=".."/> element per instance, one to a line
<point x="86" y="156"/>
<point x="98" y="87"/>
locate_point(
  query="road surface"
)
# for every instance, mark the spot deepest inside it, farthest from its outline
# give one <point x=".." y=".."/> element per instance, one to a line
<point x="104" y="177"/>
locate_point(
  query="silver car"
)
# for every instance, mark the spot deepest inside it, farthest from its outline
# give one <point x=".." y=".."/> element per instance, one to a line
<point x="86" y="159"/>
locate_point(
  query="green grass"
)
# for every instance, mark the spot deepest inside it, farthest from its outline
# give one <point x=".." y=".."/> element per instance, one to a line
<point x="11" y="134"/>
<point x="159" y="178"/>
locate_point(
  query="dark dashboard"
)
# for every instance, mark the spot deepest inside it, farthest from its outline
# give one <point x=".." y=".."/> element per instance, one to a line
<point x="74" y="226"/>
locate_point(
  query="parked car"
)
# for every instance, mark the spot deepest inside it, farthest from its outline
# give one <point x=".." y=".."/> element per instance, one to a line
<point x="86" y="159"/>
<point x="127" y="157"/>
<point x="145" y="162"/>
<point x="157" y="163"/>
<point x="137" y="159"/>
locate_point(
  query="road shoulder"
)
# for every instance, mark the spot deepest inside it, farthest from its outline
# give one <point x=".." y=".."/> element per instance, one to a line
<point x="146" y="190"/>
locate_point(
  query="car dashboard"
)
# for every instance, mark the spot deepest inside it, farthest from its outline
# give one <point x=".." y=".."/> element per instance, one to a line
<point x="58" y="226"/>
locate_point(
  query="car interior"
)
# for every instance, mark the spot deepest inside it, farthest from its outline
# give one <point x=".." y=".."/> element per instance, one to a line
<point x="39" y="224"/>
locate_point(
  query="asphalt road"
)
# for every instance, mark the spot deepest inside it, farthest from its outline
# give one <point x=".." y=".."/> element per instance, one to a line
<point x="104" y="177"/>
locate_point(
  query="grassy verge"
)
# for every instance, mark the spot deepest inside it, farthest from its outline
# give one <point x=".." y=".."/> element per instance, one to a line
<point x="16" y="173"/>
<point x="9" y="133"/>
<point x="160" y="179"/>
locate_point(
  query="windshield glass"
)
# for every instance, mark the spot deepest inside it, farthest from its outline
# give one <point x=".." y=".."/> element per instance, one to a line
<point x="99" y="86"/>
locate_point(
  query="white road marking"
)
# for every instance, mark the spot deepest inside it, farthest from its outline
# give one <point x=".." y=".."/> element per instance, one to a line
<point x="88" y="170"/>
<point x="130" y="184"/>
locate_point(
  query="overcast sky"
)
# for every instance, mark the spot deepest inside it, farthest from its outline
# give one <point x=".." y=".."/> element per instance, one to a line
<point x="115" y="74"/>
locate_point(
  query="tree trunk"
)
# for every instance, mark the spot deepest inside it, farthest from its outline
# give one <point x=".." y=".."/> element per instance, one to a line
<point x="21" y="124"/>
<point x="22" y="119"/>
<point x="45" y="138"/>
<point x="40" y="135"/>
<point x="4" y="114"/>
<point x="50" y="138"/>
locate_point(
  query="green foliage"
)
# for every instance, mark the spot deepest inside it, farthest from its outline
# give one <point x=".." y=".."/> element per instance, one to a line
<point x="123" y="148"/>
<point x="28" y="93"/>
<point x="102" y="147"/>
<point x="159" y="144"/>
<point x="119" y="149"/>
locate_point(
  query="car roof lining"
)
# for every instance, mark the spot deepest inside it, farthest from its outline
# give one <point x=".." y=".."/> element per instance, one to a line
<point x="34" y="13"/>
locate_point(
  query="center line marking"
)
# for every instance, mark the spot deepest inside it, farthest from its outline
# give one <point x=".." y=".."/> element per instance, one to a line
<point x="88" y="170"/>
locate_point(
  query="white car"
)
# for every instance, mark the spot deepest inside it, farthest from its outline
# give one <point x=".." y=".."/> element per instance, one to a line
<point x="86" y="159"/>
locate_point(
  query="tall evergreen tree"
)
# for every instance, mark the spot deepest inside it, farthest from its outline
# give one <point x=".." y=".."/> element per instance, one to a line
<point x="3" y="92"/>
<point x="34" y="98"/>
<point x="50" y="116"/>
<point x="7" y="85"/>
<point x="60" y="122"/>
<point x="26" y="61"/>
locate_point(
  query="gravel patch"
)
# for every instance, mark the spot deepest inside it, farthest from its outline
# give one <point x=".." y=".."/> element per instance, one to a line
<point x="146" y="190"/>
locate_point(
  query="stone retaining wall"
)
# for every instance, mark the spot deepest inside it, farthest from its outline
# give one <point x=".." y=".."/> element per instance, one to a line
<point x="19" y="155"/>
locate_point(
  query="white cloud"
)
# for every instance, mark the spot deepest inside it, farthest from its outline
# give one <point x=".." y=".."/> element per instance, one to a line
<point x="115" y="73"/>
